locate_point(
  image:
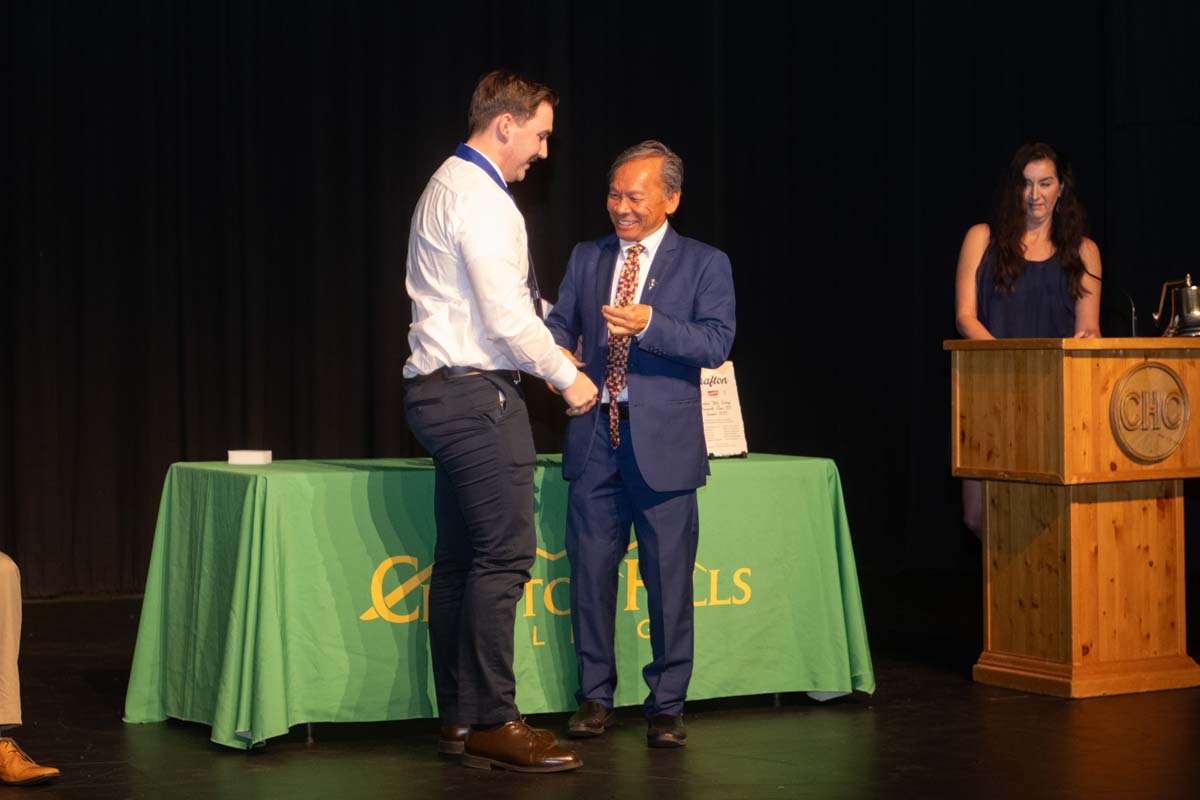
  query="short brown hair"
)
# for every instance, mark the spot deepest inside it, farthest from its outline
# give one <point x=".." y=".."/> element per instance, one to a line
<point x="503" y="92"/>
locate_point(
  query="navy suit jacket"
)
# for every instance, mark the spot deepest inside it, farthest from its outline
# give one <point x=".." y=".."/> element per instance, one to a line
<point x="692" y="327"/>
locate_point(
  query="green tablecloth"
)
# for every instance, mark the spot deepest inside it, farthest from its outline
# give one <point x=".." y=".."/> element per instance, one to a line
<point x="296" y="592"/>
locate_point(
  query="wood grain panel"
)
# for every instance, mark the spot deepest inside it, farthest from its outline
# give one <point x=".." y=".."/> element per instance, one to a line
<point x="1027" y="575"/>
<point x="1038" y="409"/>
<point x="1076" y="345"/>
<point x="1008" y="414"/>
<point x="1091" y="450"/>
<point x="1086" y="586"/>
<point x="1133" y="606"/>
<point x="1084" y="591"/>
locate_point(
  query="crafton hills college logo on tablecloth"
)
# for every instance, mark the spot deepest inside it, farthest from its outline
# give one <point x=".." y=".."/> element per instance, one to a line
<point x="409" y="601"/>
<point x="1149" y="412"/>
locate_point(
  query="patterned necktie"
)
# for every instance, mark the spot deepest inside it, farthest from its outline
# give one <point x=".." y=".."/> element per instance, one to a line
<point x="618" y="346"/>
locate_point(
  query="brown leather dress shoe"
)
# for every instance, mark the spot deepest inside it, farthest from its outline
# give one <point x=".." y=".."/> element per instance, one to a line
<point x="590" y="720"/>
<point x="451" y="739"/>
<point x="18" y="769"/>
<point x="516" y="746"/>
<point x="666" y="731"/>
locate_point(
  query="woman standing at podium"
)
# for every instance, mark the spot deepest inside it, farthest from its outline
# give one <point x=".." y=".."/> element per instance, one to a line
<point x="1030" y="273"/>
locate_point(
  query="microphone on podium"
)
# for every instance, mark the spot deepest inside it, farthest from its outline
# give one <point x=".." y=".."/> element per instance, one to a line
<point x="1132" y="311"/>
<point x="1132" y="305"/>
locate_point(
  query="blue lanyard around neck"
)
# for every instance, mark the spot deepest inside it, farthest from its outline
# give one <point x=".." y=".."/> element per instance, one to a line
<point x="467" y="153"/>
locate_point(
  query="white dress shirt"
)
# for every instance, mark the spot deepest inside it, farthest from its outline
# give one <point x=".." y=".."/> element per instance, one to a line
<point x="646" y="258"/>
<point x="468" y="262"/>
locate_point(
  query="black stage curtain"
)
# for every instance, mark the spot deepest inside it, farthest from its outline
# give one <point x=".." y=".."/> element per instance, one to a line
<point x="209" y="205"/>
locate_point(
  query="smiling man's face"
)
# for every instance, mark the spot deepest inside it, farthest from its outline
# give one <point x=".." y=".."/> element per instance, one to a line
<point x="637" y="201"/>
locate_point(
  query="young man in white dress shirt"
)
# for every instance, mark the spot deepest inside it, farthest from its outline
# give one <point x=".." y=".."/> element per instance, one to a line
<point x="476" y="325"/>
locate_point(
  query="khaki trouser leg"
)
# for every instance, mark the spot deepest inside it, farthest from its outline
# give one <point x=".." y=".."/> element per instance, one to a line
<point x="10" y="641"/>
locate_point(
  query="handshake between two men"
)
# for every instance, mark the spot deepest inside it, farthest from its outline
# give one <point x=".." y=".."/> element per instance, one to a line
<point x="621" y="321"/>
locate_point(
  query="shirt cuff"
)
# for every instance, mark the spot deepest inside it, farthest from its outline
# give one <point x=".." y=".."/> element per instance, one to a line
<point x="649" y="319"/>
<point x="564" y="376"/>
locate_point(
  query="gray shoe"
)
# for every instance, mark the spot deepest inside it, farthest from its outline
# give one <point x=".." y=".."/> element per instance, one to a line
<point x="590" y="720"/>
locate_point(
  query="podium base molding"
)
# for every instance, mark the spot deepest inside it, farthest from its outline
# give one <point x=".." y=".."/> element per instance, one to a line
<point x="1069" y="680"/>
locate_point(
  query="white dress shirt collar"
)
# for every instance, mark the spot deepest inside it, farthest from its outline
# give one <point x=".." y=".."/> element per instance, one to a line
<point x="493" y="163"/>
<point x="651" y="244"/>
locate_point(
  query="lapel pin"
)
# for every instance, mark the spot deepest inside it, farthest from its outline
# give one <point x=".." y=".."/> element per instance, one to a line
<point x="650" y="285"/>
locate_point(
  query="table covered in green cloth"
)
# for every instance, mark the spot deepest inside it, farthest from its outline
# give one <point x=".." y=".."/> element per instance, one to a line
<point x="298" y="592"/>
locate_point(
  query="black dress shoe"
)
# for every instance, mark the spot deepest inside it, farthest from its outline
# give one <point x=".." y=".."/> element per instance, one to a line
<point x="666" y="731"/>
<point x="590" y="720"/>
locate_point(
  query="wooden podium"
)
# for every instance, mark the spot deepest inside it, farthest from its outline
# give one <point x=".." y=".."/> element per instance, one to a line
<point x="1083" y="445"/>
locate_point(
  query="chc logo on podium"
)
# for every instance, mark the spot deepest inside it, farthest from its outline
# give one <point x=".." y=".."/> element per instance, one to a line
<point x="1149" y="412"/>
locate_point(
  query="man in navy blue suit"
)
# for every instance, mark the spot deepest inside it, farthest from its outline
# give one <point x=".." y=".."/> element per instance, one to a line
<point x="640" y="311"/>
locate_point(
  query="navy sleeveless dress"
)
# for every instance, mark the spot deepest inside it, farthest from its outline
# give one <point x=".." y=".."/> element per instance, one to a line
<point x="1040" y="306"/>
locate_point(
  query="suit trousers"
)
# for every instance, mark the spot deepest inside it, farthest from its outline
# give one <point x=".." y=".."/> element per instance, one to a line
<point x="484" y="457"/>
<point x="602" y="503"/>
<point x="10" y="641"/>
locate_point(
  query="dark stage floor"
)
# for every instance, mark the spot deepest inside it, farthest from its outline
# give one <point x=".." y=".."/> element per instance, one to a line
<point x="927" y="732"/>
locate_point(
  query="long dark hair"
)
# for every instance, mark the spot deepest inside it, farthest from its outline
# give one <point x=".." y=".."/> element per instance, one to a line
<point x="1008" y="221"/>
